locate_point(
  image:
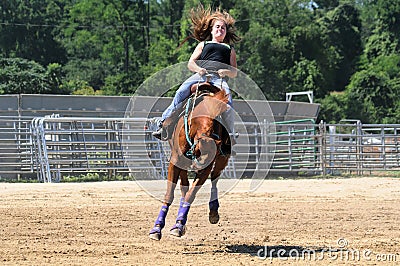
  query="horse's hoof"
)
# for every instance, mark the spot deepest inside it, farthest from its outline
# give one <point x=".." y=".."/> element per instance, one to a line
<point x="178" y="230"/>
<point x="155" y="233"/>
<point x="213" y="217"/>
<point x="155" y="236"/>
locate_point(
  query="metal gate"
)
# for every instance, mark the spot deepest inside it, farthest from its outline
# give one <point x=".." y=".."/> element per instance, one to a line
<point x="52" y="147"/>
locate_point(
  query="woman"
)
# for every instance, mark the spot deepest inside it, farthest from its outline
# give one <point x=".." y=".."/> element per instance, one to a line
<point x="214" y="55"/>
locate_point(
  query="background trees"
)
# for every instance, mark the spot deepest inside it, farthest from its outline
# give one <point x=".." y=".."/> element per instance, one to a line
<point x="346" y="51"/>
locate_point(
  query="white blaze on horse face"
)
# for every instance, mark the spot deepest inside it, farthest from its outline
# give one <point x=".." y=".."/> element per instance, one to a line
<point x="208" y="151"/>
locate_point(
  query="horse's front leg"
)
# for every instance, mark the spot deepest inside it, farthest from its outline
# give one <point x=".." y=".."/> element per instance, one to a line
<point x="220" y="164"/>
<point x="179" y="228"/>
<point x="173" y="174"/>
<point x="184" y="186"/>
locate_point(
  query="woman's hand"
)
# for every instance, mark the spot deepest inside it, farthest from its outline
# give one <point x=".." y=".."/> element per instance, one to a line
<point x="226" y="73"/>
<point x="223" y="72"/>
<point x="202" y="71"/>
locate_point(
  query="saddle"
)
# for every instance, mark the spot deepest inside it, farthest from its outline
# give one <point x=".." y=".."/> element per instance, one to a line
<point x="203" y="88"/>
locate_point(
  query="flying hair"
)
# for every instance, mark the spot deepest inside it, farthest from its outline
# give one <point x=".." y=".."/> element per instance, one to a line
<point x="203" y="21"/>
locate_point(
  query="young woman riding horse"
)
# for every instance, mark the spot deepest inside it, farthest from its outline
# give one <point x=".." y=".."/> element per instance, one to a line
<point x="207" y="142"/>
<point x="216" y="33"/>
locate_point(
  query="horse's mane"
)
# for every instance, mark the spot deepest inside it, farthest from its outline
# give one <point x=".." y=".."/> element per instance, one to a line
<point x="213" y="104"/>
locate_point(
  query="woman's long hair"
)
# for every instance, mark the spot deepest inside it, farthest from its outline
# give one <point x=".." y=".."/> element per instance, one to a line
<point x="203" y="21"/>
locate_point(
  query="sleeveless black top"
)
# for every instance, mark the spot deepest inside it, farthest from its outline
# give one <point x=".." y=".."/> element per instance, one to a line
<point x="215" y="53"/>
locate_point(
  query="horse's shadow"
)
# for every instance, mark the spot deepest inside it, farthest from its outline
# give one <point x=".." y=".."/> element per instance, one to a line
<point x="277" y="251"/>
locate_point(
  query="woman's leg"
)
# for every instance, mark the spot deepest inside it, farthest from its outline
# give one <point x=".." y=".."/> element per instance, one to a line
<point x="181" y="94"/>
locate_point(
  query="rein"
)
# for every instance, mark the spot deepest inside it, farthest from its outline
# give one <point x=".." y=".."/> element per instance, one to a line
<point x="190" y="152"/>
<point x="187" y="124"/>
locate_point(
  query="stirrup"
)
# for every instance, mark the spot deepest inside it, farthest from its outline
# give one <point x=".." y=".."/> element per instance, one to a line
<point x="234" y="135"/>
<point x="160" y="134"/>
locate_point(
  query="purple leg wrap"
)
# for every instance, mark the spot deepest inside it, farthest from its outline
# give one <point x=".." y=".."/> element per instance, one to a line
<point x="160" y="221"/>
<point x="179" y="226"/>
<point x="183" y="212"/>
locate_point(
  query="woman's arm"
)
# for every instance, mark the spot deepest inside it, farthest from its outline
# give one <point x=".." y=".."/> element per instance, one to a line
<point x="192" y="61"/>
<point x="232" y="71"/>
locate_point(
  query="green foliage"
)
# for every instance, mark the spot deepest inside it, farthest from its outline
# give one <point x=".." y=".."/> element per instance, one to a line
<point x="120" y="84"/>
<point x="346" y="51"/>
<point x="373" y="92"/>
<point x="334" y="107"/>
<point x="379" y="44"/>
<point x="55" y="75"/>
<point x="370" y="96"/>
<point x="27" y="30"/>
<point x="77" y="87"/>
<point x="305" y="75"/>
<point x="22" y="76"/>
<point x="342" y="32"/>
<point x="94" y="177"/>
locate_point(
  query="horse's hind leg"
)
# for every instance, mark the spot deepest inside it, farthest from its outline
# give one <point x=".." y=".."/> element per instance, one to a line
<point x="173" y="174"/>
<point x="220" y="163"/>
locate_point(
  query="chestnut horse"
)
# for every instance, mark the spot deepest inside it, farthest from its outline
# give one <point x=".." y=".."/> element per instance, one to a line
<point x="200" y="143"/>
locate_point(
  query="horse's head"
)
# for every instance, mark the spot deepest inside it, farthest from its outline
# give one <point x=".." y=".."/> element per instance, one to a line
<point x="202" y="127"/>
<point x="205" y="151"/>
<point x="203" y="142"/>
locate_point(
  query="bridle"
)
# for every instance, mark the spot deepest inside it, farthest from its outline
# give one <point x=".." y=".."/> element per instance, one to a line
<point x="187" y="121"/>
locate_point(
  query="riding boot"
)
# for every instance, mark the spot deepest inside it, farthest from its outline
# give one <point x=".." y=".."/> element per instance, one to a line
<point x="160" y="133"/>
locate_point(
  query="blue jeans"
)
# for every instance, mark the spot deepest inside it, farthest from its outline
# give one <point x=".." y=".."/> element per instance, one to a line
<point x="184" y="92"/>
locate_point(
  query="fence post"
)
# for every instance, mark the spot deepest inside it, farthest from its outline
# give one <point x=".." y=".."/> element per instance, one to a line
<point x="359" y="148"/>
<point x="322" y="146"/>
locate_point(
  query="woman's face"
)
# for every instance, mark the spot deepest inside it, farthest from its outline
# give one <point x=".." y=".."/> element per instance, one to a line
<point x="218" y="31"/>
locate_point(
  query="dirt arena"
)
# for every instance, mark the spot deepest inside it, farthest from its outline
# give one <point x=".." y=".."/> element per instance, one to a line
<point x="351" y="221"/>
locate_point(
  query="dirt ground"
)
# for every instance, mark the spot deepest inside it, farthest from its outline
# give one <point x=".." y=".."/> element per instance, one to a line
<point x="352" y="221"/>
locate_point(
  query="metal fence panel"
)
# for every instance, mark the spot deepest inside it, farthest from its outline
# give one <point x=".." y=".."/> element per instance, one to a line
<point x="15" y="147"/>
<point x="52" y="147"/>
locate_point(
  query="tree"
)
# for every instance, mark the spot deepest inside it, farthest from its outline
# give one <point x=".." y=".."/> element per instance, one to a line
<point x="388" y="13"/>
<point x="334" y="107"/>
<point x="304" y="75"/>
<point x="380" y="43"/>
<point x="104" y="37"/>
<point x="28" y="28"/>
<point x="22" y="76"/>
<point x="342" y="42"/>
<point x="370" y="96"/>
<point x="55" y="75"/>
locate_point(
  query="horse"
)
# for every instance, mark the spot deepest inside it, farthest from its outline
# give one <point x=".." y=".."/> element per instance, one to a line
<point x="201" y="143"/>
